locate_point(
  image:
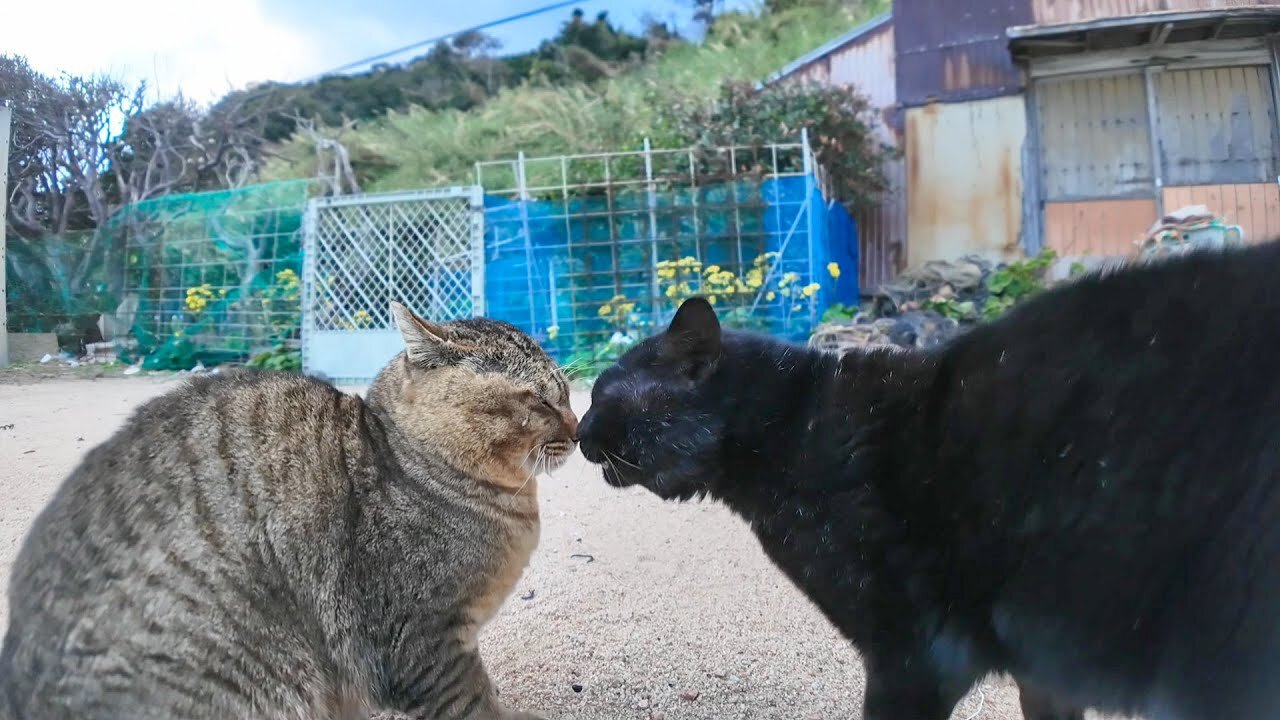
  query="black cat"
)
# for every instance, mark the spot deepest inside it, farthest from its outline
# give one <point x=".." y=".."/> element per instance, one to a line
<point x="1084" y="494"/>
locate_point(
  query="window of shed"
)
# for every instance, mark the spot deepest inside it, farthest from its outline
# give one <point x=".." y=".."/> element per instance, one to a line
<point x="1095" y="141"/>
<point x="1217" y="126"/>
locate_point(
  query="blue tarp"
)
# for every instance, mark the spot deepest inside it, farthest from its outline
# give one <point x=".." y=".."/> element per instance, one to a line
<point x="578" y="254"/>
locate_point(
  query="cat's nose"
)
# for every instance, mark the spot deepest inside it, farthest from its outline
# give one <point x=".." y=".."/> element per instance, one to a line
<point x="584" y="439"/>
<point x="570" y="424"/>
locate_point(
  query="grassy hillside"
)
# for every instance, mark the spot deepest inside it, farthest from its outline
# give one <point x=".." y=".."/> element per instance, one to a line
<point x="422" y="148"/>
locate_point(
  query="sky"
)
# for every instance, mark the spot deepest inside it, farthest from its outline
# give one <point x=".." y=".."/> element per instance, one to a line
<point x="204" y="49"/>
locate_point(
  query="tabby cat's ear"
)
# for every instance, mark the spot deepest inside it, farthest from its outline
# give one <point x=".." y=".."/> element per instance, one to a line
<point x="694" y="335"/>
<point x="426" y="344"/>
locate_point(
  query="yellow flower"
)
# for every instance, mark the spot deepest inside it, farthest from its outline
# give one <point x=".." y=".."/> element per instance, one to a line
<point x="362" y="318"/>
<point x="666" y="273"/>
<point x="755" y="278"/>
<point x="604" y="310"/>
<point x="553" y="332"/>
<point x="671" y="291"/>
<point x="712" y="269"/>
<point x="811" y="289"/>
<point x="788" y="279"/>
<point x="771" y="296"/>
<point x="711" y="299"/>
<point x="834" y="270"/>
<point x="764" y="259"/>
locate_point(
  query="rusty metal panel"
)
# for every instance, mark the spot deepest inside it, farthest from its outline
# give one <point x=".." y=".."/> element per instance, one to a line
<point x="882" y="232"/>
<point x="1217" y="125"/>
<point x="1094" y="137"/>
<point x="964" y="179"/>
<point x="868" y="65"/>
<point x="955" y="50"/>
<point x="1055" y="12"/>
<point x="865" y="61"/>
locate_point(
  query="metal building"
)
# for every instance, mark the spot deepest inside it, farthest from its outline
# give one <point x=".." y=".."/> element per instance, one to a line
<point x="1072" y="124"/>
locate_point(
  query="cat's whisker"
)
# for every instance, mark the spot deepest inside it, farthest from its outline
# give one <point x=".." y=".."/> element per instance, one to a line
<point x="624" y="462"/>
<point x="534" y="472"/>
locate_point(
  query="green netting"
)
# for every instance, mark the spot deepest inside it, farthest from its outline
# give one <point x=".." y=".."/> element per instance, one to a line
<point x="216" y="276"/>
<point x="204" y="277"/>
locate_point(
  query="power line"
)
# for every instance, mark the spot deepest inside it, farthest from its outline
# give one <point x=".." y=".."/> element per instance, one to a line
<point x="431" y="41"/>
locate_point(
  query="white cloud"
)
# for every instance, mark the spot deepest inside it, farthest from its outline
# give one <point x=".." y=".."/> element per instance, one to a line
<point x="201" y="49"/>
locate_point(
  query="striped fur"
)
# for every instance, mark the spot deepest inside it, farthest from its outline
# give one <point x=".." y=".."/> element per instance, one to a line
<point x="263" y="546"/>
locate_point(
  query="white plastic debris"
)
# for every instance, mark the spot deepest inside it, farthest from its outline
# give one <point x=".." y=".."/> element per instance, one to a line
<point x="47" y="358"/>
<point x="133" y="370"/>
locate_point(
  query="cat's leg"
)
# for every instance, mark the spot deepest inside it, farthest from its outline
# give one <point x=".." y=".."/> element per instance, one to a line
<point x="906" y="686"/>
<point x="463" y="691"/>
<point x="1039" y="705"/>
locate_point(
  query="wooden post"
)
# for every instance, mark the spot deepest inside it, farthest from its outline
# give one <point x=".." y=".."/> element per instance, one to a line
<point x="6" y="118"/>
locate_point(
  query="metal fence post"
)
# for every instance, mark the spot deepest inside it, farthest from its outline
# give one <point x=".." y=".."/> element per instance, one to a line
<point x="522" y="189"/>
<point x="655" y="303"/>
<point x="477" y="253"/>
<point x="809" y="185"/>
<point x="6" y="117"/>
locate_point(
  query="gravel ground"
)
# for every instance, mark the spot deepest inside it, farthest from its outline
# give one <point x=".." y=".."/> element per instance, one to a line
<point x="631" y="608"/>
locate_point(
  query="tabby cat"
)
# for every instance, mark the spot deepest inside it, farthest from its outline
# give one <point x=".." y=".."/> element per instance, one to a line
<point x="264" y="546"/>
<point x="1084" y="494"/>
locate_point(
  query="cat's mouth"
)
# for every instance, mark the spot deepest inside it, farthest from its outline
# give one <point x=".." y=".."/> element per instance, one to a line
<point x="554" y="454"/>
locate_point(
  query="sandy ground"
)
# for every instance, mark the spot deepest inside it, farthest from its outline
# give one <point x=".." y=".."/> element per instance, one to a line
<point x="632" y="608"/>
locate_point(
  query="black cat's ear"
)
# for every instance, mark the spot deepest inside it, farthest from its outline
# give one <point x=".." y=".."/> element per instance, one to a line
<point x="694" y="335"/>
<point x="426" y="344"/>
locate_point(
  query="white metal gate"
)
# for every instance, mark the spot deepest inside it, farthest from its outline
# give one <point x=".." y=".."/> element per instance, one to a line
<point x="424" y="249"/>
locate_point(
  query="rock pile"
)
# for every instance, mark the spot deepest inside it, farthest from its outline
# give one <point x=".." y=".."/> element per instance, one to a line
<point x="900" y="313"/>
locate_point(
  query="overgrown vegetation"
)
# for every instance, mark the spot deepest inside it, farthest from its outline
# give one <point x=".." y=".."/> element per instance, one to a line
<point x="663" y="99"/>
<point x="838" y="121"/>
<point x="84" y="147"/>
<point x="460" y="74"/>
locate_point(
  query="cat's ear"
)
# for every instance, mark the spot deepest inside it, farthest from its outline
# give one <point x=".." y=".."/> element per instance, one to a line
<point x="426" y="344"/>
<point x="694" y="335"/>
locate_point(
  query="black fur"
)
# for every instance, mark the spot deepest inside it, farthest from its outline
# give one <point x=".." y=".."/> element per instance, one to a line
<point x="1082" y="494"/>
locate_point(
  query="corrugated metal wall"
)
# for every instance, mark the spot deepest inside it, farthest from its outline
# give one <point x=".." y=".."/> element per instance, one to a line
<point x="1054" y="12"/>
<point x="964" y="176"/>
<point x="1217" y="125"/>
<point x="1216" y="135"/>
<point x="1094" y="138"/>
<point x="867" y="63"/>
<point x="882" y="232"/>
<point x="951" y="50"/>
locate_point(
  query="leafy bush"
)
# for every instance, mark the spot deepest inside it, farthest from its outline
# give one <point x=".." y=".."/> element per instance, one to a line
<point x="1015" y="282"/>
<point x="280" y="357"/>
<point x="1006" y="287"/>
<point x="840" y="122"/>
